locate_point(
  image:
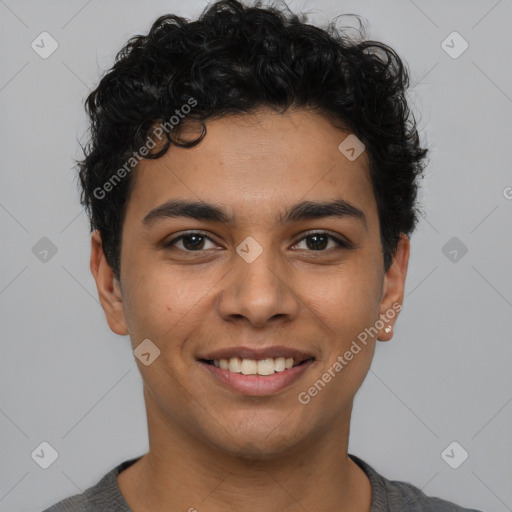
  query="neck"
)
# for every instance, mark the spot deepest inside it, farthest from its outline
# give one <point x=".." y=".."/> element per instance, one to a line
<point x="191" y="474"/>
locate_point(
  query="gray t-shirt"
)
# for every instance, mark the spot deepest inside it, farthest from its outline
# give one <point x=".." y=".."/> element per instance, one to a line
<point x="387" y="495"/>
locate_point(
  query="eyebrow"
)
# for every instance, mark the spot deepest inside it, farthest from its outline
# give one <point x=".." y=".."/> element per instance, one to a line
<point x="305" y="210"/>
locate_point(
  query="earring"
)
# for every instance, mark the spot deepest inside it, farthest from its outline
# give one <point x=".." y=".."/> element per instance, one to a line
<point x="388" y="329"/>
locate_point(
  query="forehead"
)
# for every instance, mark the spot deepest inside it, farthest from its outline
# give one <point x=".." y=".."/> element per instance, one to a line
<point x="256" y="162"/>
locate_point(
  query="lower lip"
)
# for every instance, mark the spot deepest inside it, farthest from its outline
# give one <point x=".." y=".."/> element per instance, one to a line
<point x="257" y="385"/>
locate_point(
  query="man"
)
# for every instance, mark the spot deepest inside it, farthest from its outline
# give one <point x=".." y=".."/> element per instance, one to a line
<point x="251" y="183"/>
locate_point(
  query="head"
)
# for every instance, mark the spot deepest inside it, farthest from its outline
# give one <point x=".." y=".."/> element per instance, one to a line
<point x="242" y="113"/>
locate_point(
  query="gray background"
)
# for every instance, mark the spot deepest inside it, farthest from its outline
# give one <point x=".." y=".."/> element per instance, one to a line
<point x="67" y="380"/>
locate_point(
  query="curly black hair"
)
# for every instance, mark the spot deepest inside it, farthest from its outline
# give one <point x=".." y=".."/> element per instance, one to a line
<point x="234" y="59"/>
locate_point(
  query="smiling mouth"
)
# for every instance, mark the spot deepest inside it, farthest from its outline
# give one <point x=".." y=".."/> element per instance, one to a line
<point x="261" y="367"/>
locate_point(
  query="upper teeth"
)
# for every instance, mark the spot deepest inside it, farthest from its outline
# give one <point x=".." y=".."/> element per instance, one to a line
<point x="253" y="367"/>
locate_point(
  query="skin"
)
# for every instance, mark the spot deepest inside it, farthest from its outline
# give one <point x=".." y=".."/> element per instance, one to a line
<point x="212" y="448"/>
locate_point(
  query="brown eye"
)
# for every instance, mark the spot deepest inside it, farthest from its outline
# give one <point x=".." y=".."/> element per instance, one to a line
<point x="319" y="241"/>
<point x="192" y="242"/>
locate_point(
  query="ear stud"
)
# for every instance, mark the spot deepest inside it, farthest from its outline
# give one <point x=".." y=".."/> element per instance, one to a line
<point x="388" y="329"/>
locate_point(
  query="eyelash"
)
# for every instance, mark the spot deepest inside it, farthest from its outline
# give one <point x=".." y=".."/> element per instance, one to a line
<point x="341" y="243"/>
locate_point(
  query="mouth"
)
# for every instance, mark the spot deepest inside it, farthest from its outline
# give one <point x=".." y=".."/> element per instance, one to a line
<point x="256" y="372"/>
<point x="262" y="367"/>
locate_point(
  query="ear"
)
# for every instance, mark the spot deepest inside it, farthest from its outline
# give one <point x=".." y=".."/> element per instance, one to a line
<point x="109" y="290"/>
<point x="393" y="288"/>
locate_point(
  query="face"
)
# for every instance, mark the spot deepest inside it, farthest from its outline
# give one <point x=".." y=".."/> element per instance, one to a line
<point x="264" y="281"/>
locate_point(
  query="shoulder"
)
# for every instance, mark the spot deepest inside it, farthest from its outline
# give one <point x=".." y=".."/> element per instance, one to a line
<point x="104" y="495"/>
<point x="95" y="498"/>
<point x="403" y="494"/>
<point x="76" y="503"/>
<point x="395" y="495"/>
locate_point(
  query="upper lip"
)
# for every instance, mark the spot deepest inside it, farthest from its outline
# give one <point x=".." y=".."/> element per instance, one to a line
<point x="257" y="353"/>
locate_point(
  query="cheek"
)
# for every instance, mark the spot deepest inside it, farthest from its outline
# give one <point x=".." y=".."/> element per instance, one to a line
<point x="346" y="299"/>
<point x="149" y="307"/>
<point x="160" y="306"/>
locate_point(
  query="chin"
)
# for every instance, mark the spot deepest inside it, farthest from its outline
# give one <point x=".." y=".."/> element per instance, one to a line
<point x="258" y="439"/>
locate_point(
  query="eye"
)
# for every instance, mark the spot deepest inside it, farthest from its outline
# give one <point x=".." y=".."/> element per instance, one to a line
<point x="320" y="240"/>
<point x="195" y="241"/>
<point x="191" y="242"/>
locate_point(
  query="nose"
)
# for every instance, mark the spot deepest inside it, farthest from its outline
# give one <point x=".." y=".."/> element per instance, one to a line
<point x="259" y="292"/>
